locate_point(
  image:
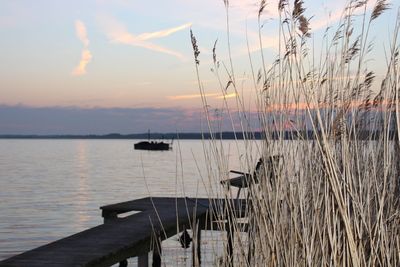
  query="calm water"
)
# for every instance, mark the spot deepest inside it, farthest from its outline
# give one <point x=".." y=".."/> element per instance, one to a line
<point x="53" y="188"/>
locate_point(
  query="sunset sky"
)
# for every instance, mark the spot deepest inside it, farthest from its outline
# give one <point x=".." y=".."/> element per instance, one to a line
<point x="99" y="66"/>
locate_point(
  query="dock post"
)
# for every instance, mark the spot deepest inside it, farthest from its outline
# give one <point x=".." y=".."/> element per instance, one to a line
<point x="123" y="263"/>
<point x="109" y="216"/>
<point x="143" y="260"/>
<point x="157" y="252"/>
<point x="199" y="244"/>
<point x="230" y="232"/>
<point x="250" y="229"/>
<point x="196" y="247"/>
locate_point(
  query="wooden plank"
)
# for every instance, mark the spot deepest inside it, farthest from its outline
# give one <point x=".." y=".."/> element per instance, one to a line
<point x="241" y="181"/>
<point x="117" y="240"/>
<point x="246" y="179"/>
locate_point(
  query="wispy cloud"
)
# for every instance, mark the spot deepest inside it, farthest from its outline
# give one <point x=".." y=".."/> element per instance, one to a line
<point x="244" y="13"/>
<point x="86" y="55"/>
<point x="195" y="96"/>
<point x="350" y="104"/>
<point x="231" y="95"/>
<point x="117" y="33"/>
<point x="163" y="33"/>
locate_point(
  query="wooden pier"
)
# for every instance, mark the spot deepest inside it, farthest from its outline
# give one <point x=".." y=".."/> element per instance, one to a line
<point x="121" y="238"/>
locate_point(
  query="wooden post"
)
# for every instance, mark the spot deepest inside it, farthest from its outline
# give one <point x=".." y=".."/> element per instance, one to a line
<point x="157" y="252"/>
<point x="230" y="233"/>
<point x="196" y="247"/>
<point x="251" y="244"/>
<point x="109" y="216"/>
<point x="123" y="263"/>
<point x="143" y="260"/>
<point x="198" y="242"/>
<point x="251" y="226"/>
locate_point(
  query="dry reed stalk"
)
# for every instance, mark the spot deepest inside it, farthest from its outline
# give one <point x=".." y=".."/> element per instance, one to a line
<point x="333" y="200"/>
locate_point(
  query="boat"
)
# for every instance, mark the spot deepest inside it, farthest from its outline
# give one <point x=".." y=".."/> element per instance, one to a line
<point x="152" y="145"/>
<point x="146" y="145"/>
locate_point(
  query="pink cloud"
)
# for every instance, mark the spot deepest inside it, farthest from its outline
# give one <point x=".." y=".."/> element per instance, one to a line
<point x="86" y="55"/>
<point x="117" y="33"/>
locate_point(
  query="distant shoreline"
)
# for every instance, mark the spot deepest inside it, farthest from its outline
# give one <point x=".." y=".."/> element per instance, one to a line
<point x="167" y="136"/>
<point x="286" y="135"/>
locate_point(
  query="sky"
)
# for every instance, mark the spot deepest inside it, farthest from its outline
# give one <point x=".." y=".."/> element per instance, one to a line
<point x="100" y="66"/>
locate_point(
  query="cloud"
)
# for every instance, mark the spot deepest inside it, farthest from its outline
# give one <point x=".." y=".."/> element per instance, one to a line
<point x="117" y="33"/>
<point x="86" y="55"/>
<point x="85" y="59"/>
<point x="231" y="95"/>
<point x="77" y="120"/>
<point x="244" y="13"/>
<point x="194" y="96"/>
<point x="81" y="32"/>
<point x="163" y="33"/>
<point x="20" y="119"/>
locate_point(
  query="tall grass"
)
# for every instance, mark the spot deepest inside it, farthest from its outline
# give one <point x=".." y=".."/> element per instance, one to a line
<point x="332" y="200"/>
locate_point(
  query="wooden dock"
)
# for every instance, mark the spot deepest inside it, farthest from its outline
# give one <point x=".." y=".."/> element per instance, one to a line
<point x="121" y="238"/>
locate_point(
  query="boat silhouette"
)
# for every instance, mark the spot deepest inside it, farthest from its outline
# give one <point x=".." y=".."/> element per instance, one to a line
<point x="152" y="145"/>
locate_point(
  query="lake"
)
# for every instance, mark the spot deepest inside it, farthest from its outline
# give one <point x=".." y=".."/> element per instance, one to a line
<point x="51" y="188"/>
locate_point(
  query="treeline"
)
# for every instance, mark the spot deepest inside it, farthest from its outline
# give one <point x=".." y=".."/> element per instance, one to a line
<point x="286" y="135"/>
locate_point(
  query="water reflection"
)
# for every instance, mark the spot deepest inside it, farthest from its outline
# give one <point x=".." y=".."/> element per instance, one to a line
<point x="83" y="188"/>
<point x="50" y="189"/>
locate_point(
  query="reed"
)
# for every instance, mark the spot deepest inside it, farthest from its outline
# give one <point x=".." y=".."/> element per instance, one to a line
<point x="332" y="200"/>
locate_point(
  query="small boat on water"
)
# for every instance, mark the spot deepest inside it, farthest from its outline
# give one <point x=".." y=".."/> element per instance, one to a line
<point x="152" y="145"/>
<point x="146" y="145"/>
